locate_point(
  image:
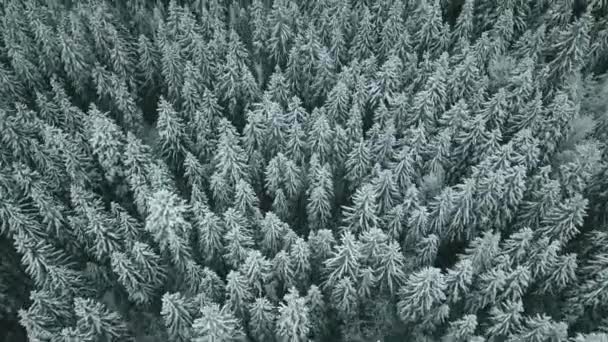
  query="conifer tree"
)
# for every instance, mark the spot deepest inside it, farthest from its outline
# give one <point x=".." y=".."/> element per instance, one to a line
<point x="461" y="329"/>
<point x="320" y="136"/>
<point x="561" y="221"/>
<point x="364" y="41"/>
<point x="171" y="133"/>
<point x="282" y="270"/>
<point x="230" y="163"/>
<point x="429" y="35"/>
<point x="345" y="260"/>
<point x="238" y="238"/>
<point x="505" y="319"/>
<point x="320" y="193"/>
<point x="177" y="315"/>
<point x="257" y="271"/>
<point x="293" y="322"/>
<point x="96" y="322"/>
<point x="262" y="319"/>
<point x="363" y="214"/>
<point x="422" y="295"/>
<point x="272" y="233"/>
<point x="392" y="29"/>
<point x="358" y="163"/>
<point x="281" y="23"/>
<point x="299" y="254"/>
<point x="386" y="191"/>
<point x="238" y="294"/>
<point x="570" y="45"/>
<point x="216" y="324"/>
<point x="538" y="328"/>
<point x="344" y="299"/>
<point x="168" y="226"/>
<point x="391" y="275"/>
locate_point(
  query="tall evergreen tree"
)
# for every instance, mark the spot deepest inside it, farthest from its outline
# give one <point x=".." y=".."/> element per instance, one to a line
<point x="216" y="324"/>
<point x="293" y="322"/>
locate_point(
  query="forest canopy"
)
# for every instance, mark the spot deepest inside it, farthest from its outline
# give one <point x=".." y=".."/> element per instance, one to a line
<point x="304" y="170"/>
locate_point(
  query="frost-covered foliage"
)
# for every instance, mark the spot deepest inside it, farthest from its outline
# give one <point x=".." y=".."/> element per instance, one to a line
<point x="327" y="170"/>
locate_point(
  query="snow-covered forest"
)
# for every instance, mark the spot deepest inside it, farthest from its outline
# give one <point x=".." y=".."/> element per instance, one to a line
<point x="303" y="170"/>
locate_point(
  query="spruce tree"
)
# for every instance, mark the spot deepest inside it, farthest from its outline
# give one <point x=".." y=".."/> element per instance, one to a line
<point x="293" y="322"/>
<point x="216" y="324"/>
<point x="262" y="319"/>
<point x="177" y="314"/>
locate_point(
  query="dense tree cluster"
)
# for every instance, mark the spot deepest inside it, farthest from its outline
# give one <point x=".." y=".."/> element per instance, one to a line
<point x="290" y="171"/>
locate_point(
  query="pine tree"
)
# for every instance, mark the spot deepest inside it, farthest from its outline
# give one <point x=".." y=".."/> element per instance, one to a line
<point x="344" y="299"/>
<point x="238" y="294"/>
<point x="382" y="142"/>
<point x="317" y="309"/>
<point x="283" y="270"/>
<point x="230" y="162"/>
<point x="426" y="250"/>
<point x="421" y="295"/>
<point x="321" y="243"/>
<point x="191" y="91"/>
<point x="320" y="193"/>
<point x="391" y="273"/>
<point x="281" y="23"/>
<point x="570" y="45"/>
<point x="392" y="29"/>
<point x="325" y="73"/>
<point x="172" y="66"/>
<point x="345" y="260"/>
<point x="260" y="29"/>
<point x="97" y="221"/>
<point x="540" y="328"/>
<point x="272" y="233"/>
<point x="464" y="27"/>
<point x="210" y="232"/>
<point x="486" y="291"/>
<point x="340" y="30"/>
<point x="238" y="238"/>
<point x="386" y="191"/>
<point x="365" y="39"/>
<point x="95" y="322"/>
<point x="561" y="275"/>
<point x="338" y="103"/>
<point x="363" y="214"/>
<point x="299" y="254"/>
<point x="107" y="143"/>
<point x="168" y="226"/>
<point x="257" y="271"/>
<point x="461" y="329"/>
<point x="256" y="129"/>
<point x="148" y="64"/>
<point x="441" y="209"/>
<point x="320" y="137"/>
<point x="431" y="28"/>
<point x="262" y="319"/>
<point x="171" y="133"/>
<point x="358" y="164"/>
<point x="561" y="221"/>
<point x="293" y="322"/>
<point x="128" y="276"/>
<point x="463" y="215"/>
<point x="216" y="324"/>
<point x="505" y="319"/>
<point x="246" y="200"/>
<point x="204" y="123"/>
<point x="177" y="313"/>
